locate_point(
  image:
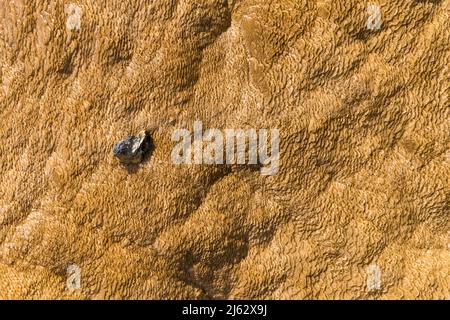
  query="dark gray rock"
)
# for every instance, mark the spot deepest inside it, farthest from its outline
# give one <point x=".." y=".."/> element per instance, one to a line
<point x="133" y="149"/>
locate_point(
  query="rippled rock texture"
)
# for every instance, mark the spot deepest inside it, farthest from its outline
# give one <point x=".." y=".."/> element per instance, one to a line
<point x="358" y="209"/>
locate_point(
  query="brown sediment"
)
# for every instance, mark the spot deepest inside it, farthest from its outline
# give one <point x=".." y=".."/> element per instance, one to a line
<point x="364" y="169"/>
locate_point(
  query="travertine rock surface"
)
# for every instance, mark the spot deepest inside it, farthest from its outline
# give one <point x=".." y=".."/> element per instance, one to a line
<point x="363" y="183"/>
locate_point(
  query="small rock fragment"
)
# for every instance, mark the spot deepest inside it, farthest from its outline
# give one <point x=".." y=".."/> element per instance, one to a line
<point x="133" y="149"/>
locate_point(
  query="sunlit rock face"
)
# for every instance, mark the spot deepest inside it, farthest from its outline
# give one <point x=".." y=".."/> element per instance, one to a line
<point x="359" y="207"/>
